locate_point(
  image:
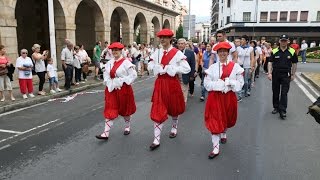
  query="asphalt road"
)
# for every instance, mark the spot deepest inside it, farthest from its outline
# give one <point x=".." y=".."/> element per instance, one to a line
<point x="56" y="141"/>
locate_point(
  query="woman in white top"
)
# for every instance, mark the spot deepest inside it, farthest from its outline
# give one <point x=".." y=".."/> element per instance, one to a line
<point x="118" y="76"/>
<point x="222" y="80"/>
<point x="77" y="65"/>
<point x="40" y="66"/>
<point x="25" y="65"/>
<point x="85" y="61"/>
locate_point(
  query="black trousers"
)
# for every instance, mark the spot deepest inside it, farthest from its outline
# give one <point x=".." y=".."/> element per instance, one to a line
<point x="257" y="72"/>
<point x="84" y="75"/>
<point x="77" y="74"/>
<point x="191" y="86"/>
<point x="280" y="89"/>
<point x="42" y="79"/>
<point x="68" y="74"/>
<point x="265" y="67"/>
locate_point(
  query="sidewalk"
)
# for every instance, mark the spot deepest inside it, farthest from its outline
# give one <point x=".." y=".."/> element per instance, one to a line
<point x="9" y="105"/>
<point x="313" y="78"/>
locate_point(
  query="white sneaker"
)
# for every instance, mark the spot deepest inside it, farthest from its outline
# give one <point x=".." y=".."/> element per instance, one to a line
<point x="58" y="89"/>
<point x="52" y="91"/>
<point x="31" y="95"/>
<point x="24" y="96"/>
<point x="85" y="80"/>
<point x="77" y="83"/>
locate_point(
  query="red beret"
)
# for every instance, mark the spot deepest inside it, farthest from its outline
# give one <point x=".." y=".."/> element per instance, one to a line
<point x="165" y="32"/>
<point x="222" y="45"/>
<point x="116" y="45"/>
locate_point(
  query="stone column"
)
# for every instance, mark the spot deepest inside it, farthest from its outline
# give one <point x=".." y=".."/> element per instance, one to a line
<point x="8" y="37"/>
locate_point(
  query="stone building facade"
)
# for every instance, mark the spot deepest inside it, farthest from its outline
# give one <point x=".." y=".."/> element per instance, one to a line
<point x="25" y="22"/>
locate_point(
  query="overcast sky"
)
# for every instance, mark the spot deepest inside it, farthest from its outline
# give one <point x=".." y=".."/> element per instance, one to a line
<point x="199" y="7"/>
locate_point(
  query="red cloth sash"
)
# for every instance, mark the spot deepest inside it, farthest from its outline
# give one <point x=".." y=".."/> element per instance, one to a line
<point x="226" y="70"/>
<point x="115" y="67"/>
<point x="166" y="58"/>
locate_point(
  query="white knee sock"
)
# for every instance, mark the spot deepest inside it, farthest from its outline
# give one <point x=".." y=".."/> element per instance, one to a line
<point x="215" y="143"/>
<point x="174" y="128"/>
<point x="107" y="127"/>
<point x="157" y="132"/>
<point x="127" y="120"/>
<point x="223" y="135"/>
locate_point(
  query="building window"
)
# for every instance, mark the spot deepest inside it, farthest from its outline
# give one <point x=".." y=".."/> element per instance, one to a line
<point x="264" y="16"/>
<point x="283" y="16"/>
<point x="304" y="16"/>
<point x="318" y="16"/>
<point x="228" y="20"/>
<point x="293" y="16"/>
<point x="229" y="3"/>
<point x="246" y="16"/>
<point x="274" y="16"/>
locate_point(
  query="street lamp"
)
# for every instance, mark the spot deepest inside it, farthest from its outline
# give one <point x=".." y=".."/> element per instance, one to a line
<point x="189" y="29"/>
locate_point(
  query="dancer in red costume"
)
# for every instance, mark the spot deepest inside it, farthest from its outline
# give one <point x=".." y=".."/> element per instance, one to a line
<point x="167" y="99"/>
<point x="119" y="74"/>
<point x="223" y="79"/>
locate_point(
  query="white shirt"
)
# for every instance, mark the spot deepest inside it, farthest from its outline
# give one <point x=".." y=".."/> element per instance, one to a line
<point x="213" y="81"/>
<point x="304" y="46"/>
<point x="67" y="56"/>
<point x="39" y="65"/>
<point x="177" y="65"/>
<point x="244" y="56"/>
<point x="135" y="53"/>
<point x="312" y="45"/>
<point x="22" y="62"/>
<point x="77" y="61"/>
<point x="125" y="73"/>
<point x="52" y="71"/>
<point x="108" y="53"/>
<point x="233" y="49"/>
<point x="83" y="55"/>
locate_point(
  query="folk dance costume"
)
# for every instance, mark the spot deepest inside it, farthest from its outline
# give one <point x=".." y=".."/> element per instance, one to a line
<point x="167" y="98"/>
<point x="222" y="81"/>
<point x="119" y="99"/>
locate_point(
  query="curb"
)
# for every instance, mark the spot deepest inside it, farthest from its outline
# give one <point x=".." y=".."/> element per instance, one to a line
<point x="310" y="81"/>
<point x="37" y="100"/>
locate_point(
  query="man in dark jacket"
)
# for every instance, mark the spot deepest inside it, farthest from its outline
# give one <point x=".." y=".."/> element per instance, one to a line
<point x="187" y="78"/>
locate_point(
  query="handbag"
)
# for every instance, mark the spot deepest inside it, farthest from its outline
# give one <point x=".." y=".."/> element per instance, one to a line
<point x="3" y="71"/>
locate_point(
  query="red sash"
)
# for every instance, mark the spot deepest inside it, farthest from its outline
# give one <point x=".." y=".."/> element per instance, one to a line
<point x="166" y="58"/>
<point x="226" y="70"/>
<point x="115" y="67"/>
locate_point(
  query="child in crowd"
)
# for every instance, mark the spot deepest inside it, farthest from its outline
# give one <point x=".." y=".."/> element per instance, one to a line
<point x="53" y="77"/>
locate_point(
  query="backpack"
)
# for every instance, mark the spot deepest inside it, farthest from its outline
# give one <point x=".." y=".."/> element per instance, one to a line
<point x="314" y="110"/>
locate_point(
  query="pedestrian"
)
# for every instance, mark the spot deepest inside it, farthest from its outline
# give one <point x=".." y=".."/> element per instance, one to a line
<point x="4" y="79"/>
<point x="222" y="80"/>
<point x="205" y="65"/>
<point x="167" y="99"/>
<point x="136" y="57"/>
<point x="106" y="54"/>
<point x="40" y="67"/>
<point x="303" y="50"/>
<point x="119" y="75"/>
<point x="144" y="60"/>
<point x="267" y="53"/>
<point x="282" y="69"/>
<point x="24" y="65"/>
<point x="222" y="37"/>
<point x="246" y="61"/>
<point x="295" y="46"/>
<point x="85" y="61"/>
<point x="67" y="61"/>
<point x="96" y="59"/>
<point x="53" y="77"/>
<point x="77" y="65"/>
<point x="187" y="83"/>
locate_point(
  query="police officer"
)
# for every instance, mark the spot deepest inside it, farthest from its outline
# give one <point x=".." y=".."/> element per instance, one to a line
<point x="281" y="70"/>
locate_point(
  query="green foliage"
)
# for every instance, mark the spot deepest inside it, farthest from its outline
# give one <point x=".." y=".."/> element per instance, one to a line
<point x="313" y="49"/>
<point x="179" y="32"/>
<point x="138" y="40"/>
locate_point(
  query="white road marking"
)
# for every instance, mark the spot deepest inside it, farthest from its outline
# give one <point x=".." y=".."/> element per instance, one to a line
<point x="6" y="146"/>
<point x="32" y="129"/>
<point x="308" y="84"/>
<point x="308" y="94"/>
<point x="9" y="131"/>
<point x="17" y="110"/>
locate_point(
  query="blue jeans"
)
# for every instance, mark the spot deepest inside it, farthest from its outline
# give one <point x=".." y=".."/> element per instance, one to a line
<point x="303" y="55"/>
<point x="247" y="82"/>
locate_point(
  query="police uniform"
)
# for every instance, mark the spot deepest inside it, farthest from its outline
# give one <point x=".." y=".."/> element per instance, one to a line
<point x="281" y="76"/>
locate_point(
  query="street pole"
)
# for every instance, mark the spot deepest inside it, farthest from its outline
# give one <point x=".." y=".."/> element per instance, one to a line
<point x="189" y="29"/>
<point x="52" y="33"/>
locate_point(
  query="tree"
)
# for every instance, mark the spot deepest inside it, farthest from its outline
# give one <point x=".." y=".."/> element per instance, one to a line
<point x="138" y="40"/>
<point x="179" y="32"/>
